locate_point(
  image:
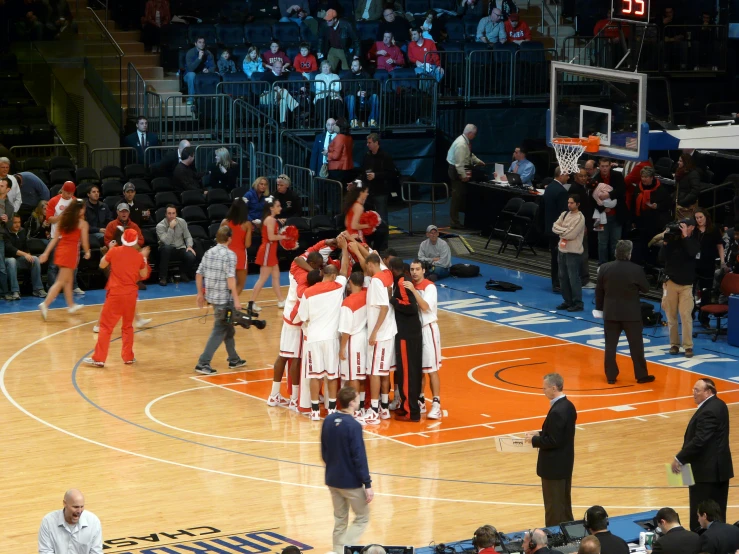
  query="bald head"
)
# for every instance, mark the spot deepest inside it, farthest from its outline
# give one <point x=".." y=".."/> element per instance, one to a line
<point x="589" y="545"/>
<point x="539" y="538"/>
<point x="330" y="272"/>
<point x="470" y="131"/>
<point x="183" y="144"/>
<point x="74" y="505"/>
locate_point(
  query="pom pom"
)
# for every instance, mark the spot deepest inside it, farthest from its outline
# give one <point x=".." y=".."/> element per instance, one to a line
<point x="291" y="236"/>
<point x="372" y="219"/>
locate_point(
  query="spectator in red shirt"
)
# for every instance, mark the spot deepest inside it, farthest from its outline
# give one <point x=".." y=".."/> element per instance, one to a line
<point x="418" y="47"/>
<point x="274" y="53"/>
<point x="516" y="30"/>
<point x="610" y="29"/>
<point x="305" y="62"/>
<point x="386" y="54"/>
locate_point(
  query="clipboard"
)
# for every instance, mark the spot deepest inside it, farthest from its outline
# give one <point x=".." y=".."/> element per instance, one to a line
<point x="682" y="479"/>
<point x="512" y="444"/>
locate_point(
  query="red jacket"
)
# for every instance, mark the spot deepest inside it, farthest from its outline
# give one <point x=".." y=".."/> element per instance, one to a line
<point x="340" y="156"/>
<point x="150" y="14"/>
<point x="112" y="232"/>
<point x="418" y="53"/>
<point x="393" y="53"/>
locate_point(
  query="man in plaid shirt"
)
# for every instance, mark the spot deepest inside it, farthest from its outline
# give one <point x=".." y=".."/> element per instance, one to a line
<point x="216" y="283"/>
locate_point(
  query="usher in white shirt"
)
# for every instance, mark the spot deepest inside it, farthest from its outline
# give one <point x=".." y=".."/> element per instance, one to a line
<point x="57" y="537"/>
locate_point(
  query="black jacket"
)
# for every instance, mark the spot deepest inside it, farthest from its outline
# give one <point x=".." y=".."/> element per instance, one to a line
<point x="166" y="167"/>
<point x="617" y="290"/>
<point x="133" y="141"/>
<point x="706" y="444"/>
<point x="406" y="312"/>
<point x="97" y="216"/>
<point x="316" y="156"/>
<point x="290" y="202"/>
<point x="348" y="38"/>
<point x="651" y="222"/>
<point x="556" y="442"/>
<point x="611" y="544"/>
<point x="677" y="540"/>
<point x="5" y="226"/>
<point x="15" y="242"/>
<point x="688" y="188"/>
<point x="385" y="172"/>
<point x="616" y="181"/>
<point x="678" y="256"/>
<point x="219" y="180"/>
<point x="555" y="202"/>
<point x="720" y="538"/>
<point x="185" y="178"/>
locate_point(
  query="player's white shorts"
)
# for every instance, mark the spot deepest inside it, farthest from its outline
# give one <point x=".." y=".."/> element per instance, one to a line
<point x="291" y="341"/>
<point x="355" y="365"/>
<point x="431" y="357"/>
<point x="381" y="358"/>
<point x="322" y="359"/>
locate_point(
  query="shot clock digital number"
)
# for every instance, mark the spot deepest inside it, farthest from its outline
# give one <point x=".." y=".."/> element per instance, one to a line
<point x="633" y="11"/>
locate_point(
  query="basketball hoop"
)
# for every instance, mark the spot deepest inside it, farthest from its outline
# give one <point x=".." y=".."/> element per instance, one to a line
<point x="568" y="151"/>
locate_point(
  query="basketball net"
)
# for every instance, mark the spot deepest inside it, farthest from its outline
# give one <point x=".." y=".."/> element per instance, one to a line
<point x="568" y="151"/>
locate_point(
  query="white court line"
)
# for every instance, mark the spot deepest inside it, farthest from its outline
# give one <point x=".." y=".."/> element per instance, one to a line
<point x="505" y="351"/>
<point x="491" y="341"/>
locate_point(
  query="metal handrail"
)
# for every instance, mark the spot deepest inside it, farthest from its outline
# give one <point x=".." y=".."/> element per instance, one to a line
<point x="104" y="6"/>
<point x="554" y="16"/>
<point x="104" y="29"/>
<point x="433" y="200"/>
<point x="136" y="108"/>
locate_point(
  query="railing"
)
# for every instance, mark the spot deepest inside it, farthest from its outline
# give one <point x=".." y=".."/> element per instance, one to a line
<point x="154" y="154"/>
<point x="293" y="150"/>
<point x="78" y="153"/>
<point x="490" y="75"/>
<point x="531" y="74"/>
<point x="409" y="185"/>
<point x="409" y="103"/>
<point x="101" y="5"/>
<point x="302" y="183"/>
<point x="121" y="157"/>
<point x="327" y="197"/>
<point x="268" y="165"/>
<point x="454" y="83"/>
<point x="197" y="118"/>
<point x="554" y="16"/>
<point x="252" y="125"/>
<point x="136" y="91"/>
<point x="205" y="155"/>
<point x="104" y="65"/>
<point x="726" y="199"/>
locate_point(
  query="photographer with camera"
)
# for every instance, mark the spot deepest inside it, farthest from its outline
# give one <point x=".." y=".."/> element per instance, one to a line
<point x="216" y="284"/>
<point x="678" y="253"/>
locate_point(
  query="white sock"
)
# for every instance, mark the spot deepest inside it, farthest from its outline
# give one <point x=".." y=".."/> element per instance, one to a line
<point x="275" y="388"/>
<point x="385" y="398"/>
<point x="375" y="404"/>
<point x="296" y="392"/>
<point x="361" y="398"/>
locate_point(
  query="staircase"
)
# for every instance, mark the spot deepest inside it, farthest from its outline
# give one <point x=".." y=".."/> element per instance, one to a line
<point x="549" y="33"/>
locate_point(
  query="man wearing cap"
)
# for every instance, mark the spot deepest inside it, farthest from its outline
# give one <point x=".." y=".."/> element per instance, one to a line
<point x="137" y="215"/>
<point x="339" y="41"/>
<point x="127" y="267"/>
<point x="116" y="228"/>
<point x="516" y="30"/>
<point x="54" y="209"/>
<point x="435" y="254"/>
<point x="679" y="256"/>
<point x="175" y="243"/>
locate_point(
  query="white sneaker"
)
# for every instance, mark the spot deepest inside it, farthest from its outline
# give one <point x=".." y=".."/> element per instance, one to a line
<point x="435" y="411"/>
<point x="90" y="361"/>
<point x="395" y="404"/>
<point x="359" y="418"/>
<point x="44" y="310"/>
<point x="331" y="411"/>
<point x="278" y="400"/>
<point x="79" y="292"/>
<point x="422" y="405"/>
<point x="293" y="405"/>
<point x="256" y="307"/>
<point x="315" y="415"/>
<point x="371" y="417"/>
<point x="96" y="329"/>
<point x="141" y="322"/>
<point x="384" y="413"/>
<point x="74" y="308"/>
<point x="281" y="304"/>
<point x="590" y="285"/>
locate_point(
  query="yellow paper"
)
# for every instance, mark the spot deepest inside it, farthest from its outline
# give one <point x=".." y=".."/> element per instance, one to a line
<point x="682" y="479"/>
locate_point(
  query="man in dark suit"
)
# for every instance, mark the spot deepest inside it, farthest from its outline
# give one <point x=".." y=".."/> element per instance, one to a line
<point x="166" y="167"/>
<point x="555" y="202"/>
<point x="596" y="522"/>
<point x="537" y="541"/>
<point x="184" y="177"/>
<point x="718" y="537"/>
<point x="675" y="538"/>
<point x="617" y="300"/>
<point x="706" y="448"/>
<point x="556" y="444"/>
<point x="141" y="139"/>
<point x="317" y="156"/>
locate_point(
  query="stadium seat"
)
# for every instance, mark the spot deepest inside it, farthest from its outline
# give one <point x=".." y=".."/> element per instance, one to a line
<point x="112" y="187"/>
<point x="213" y="229"/>
<point x="142" y="187"/>
<point x="470" y="32"/>
<point x="162" y="199"/>
<point x="87" y="175"/>
<point x="193" y="198"/>
<point x="59" y="176"/>
<point x="217" y="212"/>
<point x="230" y="34"/>
<point x="144" y="202"/>
<point x="161" y="184"/>
<point x="112" y="203"/>
<point x="447" y="5"/>
<point x="286" y="33"/>
<point x="194" y="215"/>
<point x="455" y="31"/>
<point x="53" y="191"/>
<point x="367" y="33"/>
<point x="150" y="237"/>
<point x="417" y="6"/>
<point x="218" y="196"/>
<point x="205" y="30"/>
<point x="258" y="34"/>
<point x="160" y="214"/>
<point x="35" y="163"/>
<point x="198" y="232"/>
<point x="134" y="171"/>
<point x="111" y="172"/>
<point x="83" y="189"/>
<point x="61" y="162"/>
<point x="206" y="83"/>
<point x="238" y="192"/>
<point x="322" y="227"/>
<point x="346" y="10"/>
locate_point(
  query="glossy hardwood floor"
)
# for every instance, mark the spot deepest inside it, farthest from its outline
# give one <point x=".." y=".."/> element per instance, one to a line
<point x="163" y="455"/>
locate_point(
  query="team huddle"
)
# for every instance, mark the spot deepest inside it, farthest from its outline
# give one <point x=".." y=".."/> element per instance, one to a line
<point x="353" y="316"/>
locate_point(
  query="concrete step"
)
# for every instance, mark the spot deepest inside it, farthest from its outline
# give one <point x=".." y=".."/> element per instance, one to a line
<point x="147" y="73"/>
<point x="164" y="85"/>
<point x="141" y="60"/>
<point x="126" y="36"/>
<point x="132" y="47"/>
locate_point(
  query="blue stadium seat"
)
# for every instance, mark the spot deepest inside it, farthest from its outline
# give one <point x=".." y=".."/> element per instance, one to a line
<point x="454" y="30"/>
<point x="416" y="6"/>
<point x="382" y="75"/>
<point x="447" y="5"/>
<point x="258" y="33"/>
<point x="470" y="30"/>
<point x="367" y="30"/>
<point x="286" y="33"/>
<point x="346" y="9"/>
<point x="202" y="29"/>
<point x="230" y="34"/>
<point x="451" y="46"/>
<point x="292" y="51"/>
<point x="206" y="83"/>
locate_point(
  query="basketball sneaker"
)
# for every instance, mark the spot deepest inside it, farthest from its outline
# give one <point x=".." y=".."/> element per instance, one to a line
<point x="395" y="404"/>
<point x="435" y="412"/>
<point x="293" y="405"/>
<point x="315" y="415"/>
<point x="422" y="405"/>
<point x="359" y="418"/>
<point x="142" y="322"/>
<point x="371" y="417"/>
<point x="278" y="400"/>
<point x="385" y="413"/>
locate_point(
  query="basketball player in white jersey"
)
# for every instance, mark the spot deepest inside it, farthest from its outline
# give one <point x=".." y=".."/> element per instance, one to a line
<point x="353" y="329"/>
<point x="426" y="296"/>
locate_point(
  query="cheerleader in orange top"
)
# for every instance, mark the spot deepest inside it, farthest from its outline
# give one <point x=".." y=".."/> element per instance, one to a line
<point x="354" y="208"/>
<point x="237" y="219"/>
<point x="72" y="230"/>
<point x="267" y="254"/>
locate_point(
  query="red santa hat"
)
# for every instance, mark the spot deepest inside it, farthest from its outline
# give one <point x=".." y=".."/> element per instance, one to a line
<point x="129" y="237"/>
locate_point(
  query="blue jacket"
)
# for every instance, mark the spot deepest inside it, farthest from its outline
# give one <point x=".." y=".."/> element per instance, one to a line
<point x="195" y="65"/>
<point x="342" y="449"/>
<point x="33" y="190"/>
<point x="256" y="204"/>
<point x="316" y="156"/>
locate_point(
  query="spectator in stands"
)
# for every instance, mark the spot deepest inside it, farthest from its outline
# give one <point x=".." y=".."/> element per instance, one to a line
<point x="537" y="541"/>
<point x="223" y="172"/>
<point x="339" y="41"/>
<point x="30" y="27"/>
<point x="609" y="29"/>
<point x="56" y="535"/>
<point x="360" y="95"/>
<point x="485" y="539"/>
<point x="674" y="538"/>
<point x="676" y="47"/>
<point x="435" y="255"/>
<point x="18" y="257"/>
<point x="520" y="165"/>
<point x="166" y="167"/>
<point x="517" y="31"/>
<point x="703" y="50"/>
<point x="141" y="139"/>
<point x="305" y="62"/>
<point x="427" y="27"/>
<point x="289" y="10"/>
<point x="398" y="27"/>
<point x="33" y="191"/>
<point x="506" y="7"/>
<point x="596" y="522"/>
<point x="197" y="60"/>
<point x="252" y="62"/>
<point x="118" y="226"/>
<point x="712" y="248"/>
<point x="327" y="87"/>
<point x="340" y="157"/>
<point x="589" y="545"/>
<point x="422" y="53"/>
<point x="156" y="17"/>
<point x="269" y="57"/>
<point x="555" y="203"/>
<point x="717" y="536"/>
<point x="289" y="199"/>
<point x="175" y="244"/>
<point x="461" y="159"/>
<point x="14" y="192"/>
<point x="652" y="213"/>
<point x="225" y="64"/>
<point x="688" y="184"/>
<point x="318" y="161"/>
<point x="470" y="9"/>
<point x="368" y="10"/>
<point x="491" y="29"/>
<point x="185" y="177"/>
<point x="277" y="95"/>
<point x="386" y="54"/>
<point x="380" y="171"/>
<point x="591" y="167"/>
<point x="6" y="222"/>
<point x="97" y="215"/>
<point x="137" y="215"/>
<point x="610" y="212"/>
<point x="36" y="225"/>
<point x="255" y="197"/>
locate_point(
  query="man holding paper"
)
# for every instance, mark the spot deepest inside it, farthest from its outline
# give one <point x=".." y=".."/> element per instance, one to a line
<point x="706" y="449"/>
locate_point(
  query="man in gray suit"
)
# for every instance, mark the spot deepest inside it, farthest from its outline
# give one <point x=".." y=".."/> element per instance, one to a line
<point x="617" y="300"/>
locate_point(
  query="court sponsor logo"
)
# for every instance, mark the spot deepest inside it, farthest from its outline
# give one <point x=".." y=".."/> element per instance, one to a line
<point x="204" y="540"/>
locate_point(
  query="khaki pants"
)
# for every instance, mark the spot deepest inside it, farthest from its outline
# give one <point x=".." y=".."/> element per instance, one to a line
<point x="337" y="56"/>
<point x="343" y="499"/>
<point x="284" y="102"/>
<point x="678" y="299"/>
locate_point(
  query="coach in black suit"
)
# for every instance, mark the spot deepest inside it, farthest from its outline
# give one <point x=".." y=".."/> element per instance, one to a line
<point x="617" y="298"/>
<point x="706" y="448"/>
<point x="556" y="444"/>
<point x="676" y="539"/>
<point x="141" y="139"/>
<point x="718" y="537"/>
<point x="320" y="144"/>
